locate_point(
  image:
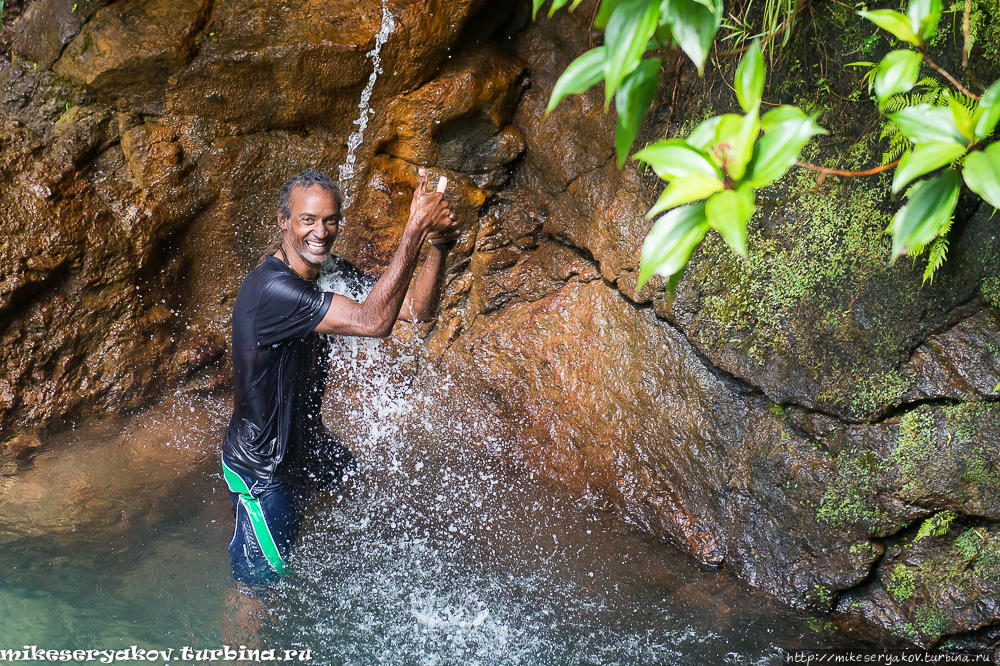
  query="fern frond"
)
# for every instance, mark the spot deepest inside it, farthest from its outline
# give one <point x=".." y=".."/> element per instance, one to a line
<point x="939" y="252"/>
<point x="936" y="525"/>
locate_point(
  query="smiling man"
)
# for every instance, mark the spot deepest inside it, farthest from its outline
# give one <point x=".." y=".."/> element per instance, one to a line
<point x="276" y="450"/>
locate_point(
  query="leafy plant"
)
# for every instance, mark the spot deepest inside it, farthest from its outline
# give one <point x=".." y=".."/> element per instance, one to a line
<point x="631" y="28"/>
<point x="936" y="526"/>
<point x="938" y="135"/>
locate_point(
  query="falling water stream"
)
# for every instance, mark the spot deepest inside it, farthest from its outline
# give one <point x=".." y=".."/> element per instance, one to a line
<point x="353" y="141"/>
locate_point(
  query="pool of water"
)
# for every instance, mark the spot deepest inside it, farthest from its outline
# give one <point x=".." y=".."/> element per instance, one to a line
<point x="437" y="553"/>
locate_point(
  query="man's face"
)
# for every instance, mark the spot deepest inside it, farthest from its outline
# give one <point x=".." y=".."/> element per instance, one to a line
<point x="313" y="225"/>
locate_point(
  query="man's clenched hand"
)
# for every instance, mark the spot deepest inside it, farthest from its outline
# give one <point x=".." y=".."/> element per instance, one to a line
<point x="431" y="212"/>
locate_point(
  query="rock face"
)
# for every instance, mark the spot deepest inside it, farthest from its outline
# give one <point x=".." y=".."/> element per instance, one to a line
<point x="817" y="421"/>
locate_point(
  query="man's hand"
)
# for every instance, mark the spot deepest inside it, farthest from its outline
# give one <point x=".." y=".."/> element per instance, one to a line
<point x="431" y="212"/>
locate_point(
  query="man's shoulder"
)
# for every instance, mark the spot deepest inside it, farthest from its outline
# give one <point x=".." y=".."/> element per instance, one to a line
<point x="272" y="273"/>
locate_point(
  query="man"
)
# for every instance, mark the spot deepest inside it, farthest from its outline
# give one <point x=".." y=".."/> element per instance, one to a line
<point x="276" y="450"/>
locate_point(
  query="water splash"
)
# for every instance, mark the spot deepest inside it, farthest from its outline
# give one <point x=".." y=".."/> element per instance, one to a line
<point x="347" y="168"/>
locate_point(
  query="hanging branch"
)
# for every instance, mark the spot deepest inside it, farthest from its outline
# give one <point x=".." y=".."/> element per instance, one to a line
<point x="965" y="91"/>
<point x="847" y="174"/>
<point x="967" y="46"/>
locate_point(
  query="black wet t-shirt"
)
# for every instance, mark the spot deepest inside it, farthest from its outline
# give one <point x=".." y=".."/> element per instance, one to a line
<point x="279" y="369"/>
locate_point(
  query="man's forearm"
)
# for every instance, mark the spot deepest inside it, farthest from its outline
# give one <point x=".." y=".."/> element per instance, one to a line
<point x="381" y="309"/>
<point x="422" y="299"/>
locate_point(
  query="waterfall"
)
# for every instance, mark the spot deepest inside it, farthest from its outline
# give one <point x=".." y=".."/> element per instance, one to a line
<point x="347" y="168"/>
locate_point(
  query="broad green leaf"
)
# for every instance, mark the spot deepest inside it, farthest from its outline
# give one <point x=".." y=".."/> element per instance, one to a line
<point x="703" y="135"/>
<point x="981" y="171"/>
<point x="535" y="6"/>
<point x="897" y="73"/>
<point x="684" y="191"/>
<point x="894" y="22"/>
<point x="928" y="27"/>
<point x="674" y="158"/>
<point x="631" y="25"/>
<point x="633" y="99"/>
<point x="930" y="206"/>
<point x="780" y="114"/>
<point x="922" y="123"/>
<point x="776" y="151"/>
<point x="556" y="4"/>
<point x="669" y="245"/>
<point x="728" y="213"/>
<point x="581" y="74"/>
<point x="749" y="82"/>
<point x="924" y="16"/>
<point x="990" y="105"/>
<point x="963" y="119"/>
<point x="924" y="158"/>
<point x="693" y="26"/>
<point x="742" y="144"/>
<point x="604" y="13"/>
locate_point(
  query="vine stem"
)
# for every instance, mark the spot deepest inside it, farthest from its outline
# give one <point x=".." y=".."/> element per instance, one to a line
<point x="940" y="70"/>
<point x="847" y="174"/>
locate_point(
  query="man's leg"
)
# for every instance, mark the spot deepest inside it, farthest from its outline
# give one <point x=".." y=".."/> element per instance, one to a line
<point x="267" y="520"/>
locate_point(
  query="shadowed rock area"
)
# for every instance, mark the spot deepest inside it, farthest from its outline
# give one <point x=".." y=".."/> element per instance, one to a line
<point x="796" y="417"/>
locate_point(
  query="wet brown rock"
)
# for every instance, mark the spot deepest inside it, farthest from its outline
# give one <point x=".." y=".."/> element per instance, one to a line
<point x="933" y="586"/>
<point x="962" y="363"/>
<point x="129" y="49"/>
<point x="587" y="390"/>
<point x="72" y="490"/>
<point x="455" y="121"/>
<point x="23" y="444"/>
<point x="47" y="26"/>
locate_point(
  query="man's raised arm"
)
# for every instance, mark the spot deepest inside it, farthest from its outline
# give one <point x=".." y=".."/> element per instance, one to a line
<point x="429" y="214"/>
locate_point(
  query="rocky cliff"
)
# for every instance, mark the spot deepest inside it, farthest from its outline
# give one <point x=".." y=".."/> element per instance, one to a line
<point x="812" y="418"/>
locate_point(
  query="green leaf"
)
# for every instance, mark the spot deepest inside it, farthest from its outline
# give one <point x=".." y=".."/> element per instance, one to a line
<point x="728" y="213"/>
<point x="604" y="13"/>
<point x="576" y="3"/>
<point x="981" y="171"/>
<point x="685" y="190"/>
<point x="962" y="117"/>
<point x="556" y="4"/>
<point x="897" y="73"/>
<point x="930" y="206"/>
<point x="779" y="115"/>
<point x="535" y="6"/>
<point x="894" y="22"/>
<point x="674" y="158"/>
<point x="743" y="143"/>
<point x="733" y="145"/>
<point x="749" y="82"/>
<point x="923" y="122"/>
<point x="924" y="16"/>
<point x="924" y="158"/>
<point x="581" y="74"/>
<point x="776" y="151"/>
<point x="703" y="135"/>
<point x="633" y="99"/>
<point x="631" y="25"/>
<point x="693" y="26"/>
<point x="990" y="105"/>
<point x="669" y="245"/>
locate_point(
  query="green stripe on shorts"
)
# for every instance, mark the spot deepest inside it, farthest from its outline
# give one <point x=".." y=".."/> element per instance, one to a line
<point x="256" y="515"/>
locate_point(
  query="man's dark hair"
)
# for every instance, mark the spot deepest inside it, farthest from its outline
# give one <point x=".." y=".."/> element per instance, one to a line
<point x="305" y="179"/>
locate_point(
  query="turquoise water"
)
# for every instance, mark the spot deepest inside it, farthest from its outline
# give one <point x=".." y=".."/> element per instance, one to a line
<point x="435" y="555"/>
